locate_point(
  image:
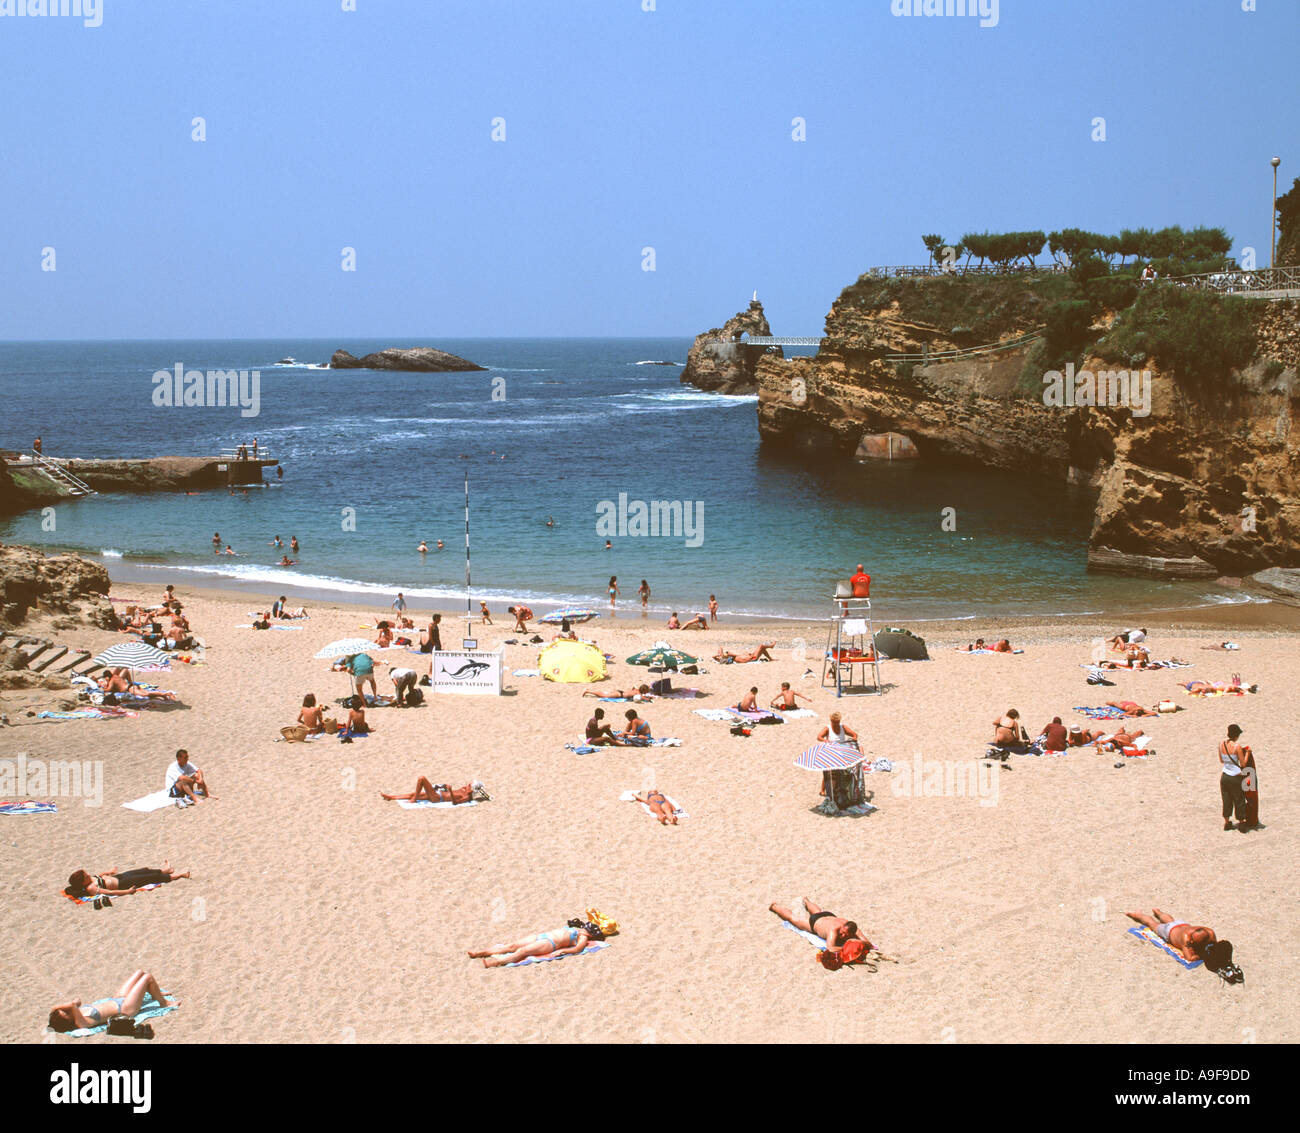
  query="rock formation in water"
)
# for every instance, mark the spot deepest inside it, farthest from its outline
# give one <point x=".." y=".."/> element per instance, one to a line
<point x="424" y="359"/>
<point x="1207" y="484"/>
<point x="16" y="497"/>
<point x="69" y="586"/>
<point x="720" y="363"/>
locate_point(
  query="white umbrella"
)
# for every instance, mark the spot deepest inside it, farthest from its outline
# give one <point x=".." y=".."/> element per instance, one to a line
<point x="348" y="647"/>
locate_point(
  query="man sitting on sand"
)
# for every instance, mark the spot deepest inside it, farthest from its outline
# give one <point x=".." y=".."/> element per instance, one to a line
<point x="759" y="654"/>
<point x="600" y="734"/>
<point x="837" y="732"/>
<point x="1056" y="735"/>
<point x="567" y="941"/>
<point x="522" y="614"/>
<point x="1128" y="637"/>
<point x="441" y="793"/>
<point x="787" y="699"/>
<point x="185" y="782"/>
<point x="749" y="702"/>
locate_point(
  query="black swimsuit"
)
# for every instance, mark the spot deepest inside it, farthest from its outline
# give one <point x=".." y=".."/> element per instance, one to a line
<point x="812" y="921"/>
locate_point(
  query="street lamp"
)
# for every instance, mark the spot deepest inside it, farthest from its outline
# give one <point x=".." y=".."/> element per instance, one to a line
<point x="1272" y="220"/>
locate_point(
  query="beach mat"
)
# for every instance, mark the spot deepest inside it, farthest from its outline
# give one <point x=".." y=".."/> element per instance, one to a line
<point x="816" y="941"/>
<point x="1101" y="713"/>
<point x="107" y="712"/>
<point x="678" y="810"/>
<point x="594" y="946"/>
<point x="28" y="807"/>
<point x="91" y="899"/>
<point x="1144" y="933"/>
<point x="148" y="1010"/>
<point x="423" y="804"/>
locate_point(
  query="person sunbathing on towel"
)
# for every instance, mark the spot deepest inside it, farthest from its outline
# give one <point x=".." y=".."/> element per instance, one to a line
<point x="441" y="793"/>
<point x="759" y="654"/>
<point x="1129" y="637"/>
<point x="787" y="699"/>
<point x="749" y="702"/>
<point x="1192" y="940"/>
<point x="640" y="693"/>
<point x="118" y="681"/>
<point x="697" y="622"/>
<point x="567" y="941"/>
<point x="1131" y="708"/>
<point x="659" y="806"/>
<point x="1003" y="646"/>
<point x="1202" y="688"/>
<point x="128" y="1001"/>
<point x="1079" y="737"/>
<point x="836" y="931"/>
<point x="83" y="883"/>
<point x="978" y="645"/>
<point x="1119" y="740"/>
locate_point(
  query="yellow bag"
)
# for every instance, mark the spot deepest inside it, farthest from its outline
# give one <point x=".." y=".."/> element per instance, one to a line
<point x="607" y="925"/>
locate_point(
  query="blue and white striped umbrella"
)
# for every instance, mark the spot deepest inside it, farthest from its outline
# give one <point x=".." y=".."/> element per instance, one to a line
<point x="570" y="615"/>
<point x="133" y="655"/>
<point x="828" y="757"/>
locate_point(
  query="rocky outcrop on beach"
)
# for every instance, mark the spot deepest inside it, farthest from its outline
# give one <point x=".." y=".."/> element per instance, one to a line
<point x="423" y="359"/>
<point x="16" y="497"/>
<point x="74" y="588"/>
<point x="1208" y="483"/>
<point x="720" y="363"/>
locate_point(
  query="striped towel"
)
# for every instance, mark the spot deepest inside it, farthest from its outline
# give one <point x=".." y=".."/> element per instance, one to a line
<point x="594" y="946"/>
<point x="28" y="807"/>
<point x="1105" y="712"/>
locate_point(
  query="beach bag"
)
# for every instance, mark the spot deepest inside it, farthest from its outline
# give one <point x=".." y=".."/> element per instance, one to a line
<point x="662" y="687"/>
<point x="296" y="734"/>
<point x="331" y="725"/>
<point x="414" y="697"/>
<point x="607" y="925"/>
<point x="1166" y="706"/>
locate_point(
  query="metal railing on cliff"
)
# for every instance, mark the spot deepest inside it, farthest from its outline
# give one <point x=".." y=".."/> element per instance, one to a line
<point x="1258" y="283"/>
<point x="910" y="271"/>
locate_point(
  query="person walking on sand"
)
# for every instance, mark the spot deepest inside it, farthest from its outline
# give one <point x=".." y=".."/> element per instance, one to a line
<point x="484" y="612"/>
<point x="399" y="603"/>
<point x="613" y="590"/>
<point x="713" y="608"/>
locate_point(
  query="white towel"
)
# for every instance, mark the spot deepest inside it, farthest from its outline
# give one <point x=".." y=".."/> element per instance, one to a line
<point x="149" y="803"/>
<point x="853" y="627"/>
<point x="630" y="796"/>
<point x="406" y="804"/>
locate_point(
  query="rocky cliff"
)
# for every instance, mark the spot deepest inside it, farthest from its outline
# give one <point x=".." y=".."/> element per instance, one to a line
<point x="729" y="366"/>
<point x="65" y="585"/>
<point x="1207" y="483"/>
<point x="424" y="359"/>
<point x="16" y="496"/>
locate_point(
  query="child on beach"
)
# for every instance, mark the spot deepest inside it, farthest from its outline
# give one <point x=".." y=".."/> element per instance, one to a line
<point x="486" y="616"/>
<point x="643" y="592"/>
<point x="713" y="608"/>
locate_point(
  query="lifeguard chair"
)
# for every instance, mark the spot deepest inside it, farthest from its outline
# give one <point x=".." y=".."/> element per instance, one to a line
<point x="850" y="664"/>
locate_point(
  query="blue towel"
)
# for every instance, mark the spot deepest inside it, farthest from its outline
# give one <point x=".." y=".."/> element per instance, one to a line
<point x="148" y="1010"/>
<point x="1104" y="713"/>
<point x="582" y="749"/>
<point x="594" y="946"/>
<point x="28" y="807"/>
<point x="1144" y="933"/>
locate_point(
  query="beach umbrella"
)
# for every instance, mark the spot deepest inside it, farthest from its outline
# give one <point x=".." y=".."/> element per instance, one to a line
<point x="900" y="644"/>
<point x="828" y="757"/>
<point x="573" y="614"/>
<point x="134" y="655"/>
<point x="348" y="647"/>
<point x="662" y="654"/>
<point x="572" y="662"/>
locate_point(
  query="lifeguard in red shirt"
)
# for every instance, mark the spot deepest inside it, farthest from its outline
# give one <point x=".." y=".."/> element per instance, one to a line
<point x="861" y="583"/>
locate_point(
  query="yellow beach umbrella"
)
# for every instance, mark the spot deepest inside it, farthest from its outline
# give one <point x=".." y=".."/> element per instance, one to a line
<point x="572" y="662"/>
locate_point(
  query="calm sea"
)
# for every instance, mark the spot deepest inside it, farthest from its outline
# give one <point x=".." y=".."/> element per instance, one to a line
<point x="374" y="463"/>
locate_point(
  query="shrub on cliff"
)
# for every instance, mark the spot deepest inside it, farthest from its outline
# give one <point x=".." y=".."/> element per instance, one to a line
<point x="1198" y="336"/>
<point x="1069" y="331"/>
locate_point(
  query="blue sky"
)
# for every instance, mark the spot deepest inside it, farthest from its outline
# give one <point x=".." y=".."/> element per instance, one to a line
<point x="625" y="128"/>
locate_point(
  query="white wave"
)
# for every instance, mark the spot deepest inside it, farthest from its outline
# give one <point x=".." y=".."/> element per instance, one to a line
<point x="1235" y="599"/>
<point x="653" y="362"/>
<point x="110" y="553"/>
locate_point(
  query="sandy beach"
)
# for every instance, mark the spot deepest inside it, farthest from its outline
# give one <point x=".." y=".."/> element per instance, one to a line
<point x="319" y="913"/>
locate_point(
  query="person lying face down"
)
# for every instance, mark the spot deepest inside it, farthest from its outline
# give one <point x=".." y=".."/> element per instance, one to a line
<point x="567" y="941"/>
<point x="1193" y="942"/>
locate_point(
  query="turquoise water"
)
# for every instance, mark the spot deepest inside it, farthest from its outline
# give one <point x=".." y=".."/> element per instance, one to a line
<point x="556" y="428"/>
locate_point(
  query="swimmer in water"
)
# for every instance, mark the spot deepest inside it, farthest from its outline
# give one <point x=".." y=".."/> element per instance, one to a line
<point x="228" y="550"/>
<point x="550" y="521"/>
<point x="293" y="543"/>
<point x="423" y="548"/>
<point x="440" y="544"/>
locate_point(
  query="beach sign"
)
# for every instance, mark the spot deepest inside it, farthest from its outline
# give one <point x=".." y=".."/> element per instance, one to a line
<point x="468" y="671"/>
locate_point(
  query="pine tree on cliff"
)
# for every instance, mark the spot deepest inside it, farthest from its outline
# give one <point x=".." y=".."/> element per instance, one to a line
<point x="1288" y="222"/>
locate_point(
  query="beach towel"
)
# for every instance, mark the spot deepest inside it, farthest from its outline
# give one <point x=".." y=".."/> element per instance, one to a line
<point x="582" y="749"/>
<point x="816" y="941"/>
<point x="150" y="1009"/>
<point x="150" y="803"/>
<point x="1144" y="933"/>
<point x="104" y="712"/>
<point x="678" y="810"/>
<point x="28" y="807"/>
<point x="879" y="764"/>
<point x="269" y="627"/>
<point x="796" y="713"/>
<point x="1104" y="712"/>
<point x="343" y="733"/>
<point x="91" y="899"/>
<point x="526" y="673"/>
<point x="979" y="652"/>
<point x="724" y="715"/>
<point x="406" y="804"/>
<point x="662" y="741"/>
<point x="594" y="946"/>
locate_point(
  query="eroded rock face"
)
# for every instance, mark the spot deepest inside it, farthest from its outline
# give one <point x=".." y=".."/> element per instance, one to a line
<point x="65" y="584"/>
<point x="1208" y="483"/>
<point x="14" y="498"/>
<point x="729" y="367"/>
<point x="424" y="359"/>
